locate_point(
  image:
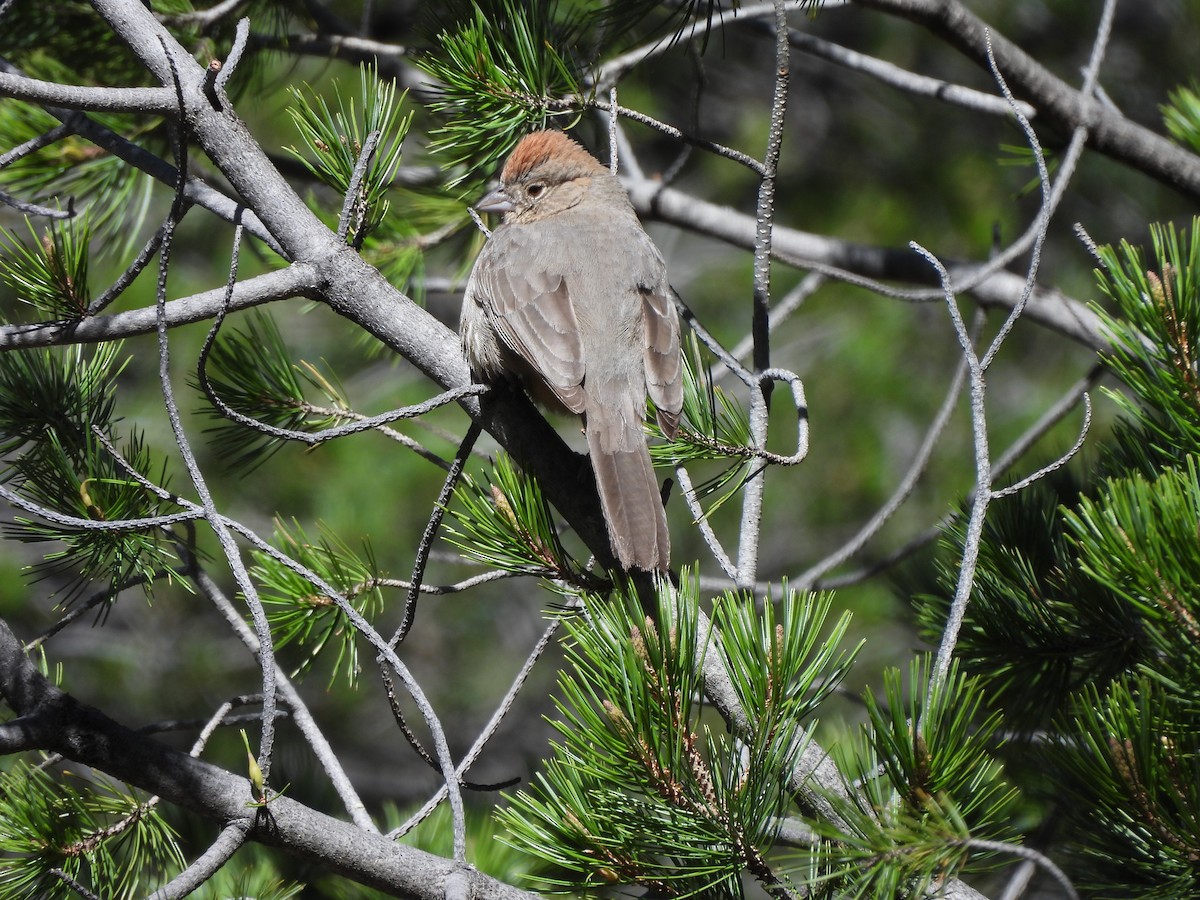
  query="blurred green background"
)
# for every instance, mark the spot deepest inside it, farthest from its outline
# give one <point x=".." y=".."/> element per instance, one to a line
<point x="861" y="162"/>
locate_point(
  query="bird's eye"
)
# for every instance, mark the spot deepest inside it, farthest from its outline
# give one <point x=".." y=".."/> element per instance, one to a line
<point x="535" y="189"/>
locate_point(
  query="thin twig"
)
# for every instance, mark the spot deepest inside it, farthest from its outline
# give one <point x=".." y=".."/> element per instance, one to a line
<point x="202" y="18"/>
<point x="1058" y="463"/>
<point x="671" y="131"/>
<point x="241" y="35"/>
<point x="230" y="720"/>
<point x="613" y="139"/>
<point x="203" y="867"/>
<point x="979" y="503"/>
<point x="63" y="876"/>
<point x="343" y="46"/>
<point x="903" y="80"/>
<point x="352" y="203"/>
<point x="229" y="547"/>
<point x="337" y="412"/>
<point x="760" y="392"/>
<point x="361" y="423"/>
<point x="700" y="518"/>
<point x="488" y="731"/>
<point x="439" y="590"/>
<point x="210" y="728"/>
<point x="800" y="404"/>
<point x="431" y="529"/>
<point x="55" y="134"/>
<point x="36" y="209"/>
<point x="614" y="69"/>
<point x="143" y="523"/>
<point x="916" y="469"/>
<point x="1040" y="225"/>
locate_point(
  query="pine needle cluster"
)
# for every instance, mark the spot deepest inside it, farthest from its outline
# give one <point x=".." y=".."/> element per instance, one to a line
<point x="1083" y="631"/>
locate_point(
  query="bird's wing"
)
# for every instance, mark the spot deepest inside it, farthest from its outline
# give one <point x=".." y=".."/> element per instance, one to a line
<point x="531" y="311"/>
<point x="664" y="368"/>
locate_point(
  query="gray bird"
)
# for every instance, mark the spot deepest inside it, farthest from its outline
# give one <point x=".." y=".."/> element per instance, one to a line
<point x="571" y="296"/>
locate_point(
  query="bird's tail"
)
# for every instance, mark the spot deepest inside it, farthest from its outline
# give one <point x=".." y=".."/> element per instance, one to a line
<point x="633" y="509"/>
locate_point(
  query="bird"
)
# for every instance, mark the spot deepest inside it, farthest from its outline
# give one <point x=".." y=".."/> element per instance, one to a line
<point x="570" y="297"/>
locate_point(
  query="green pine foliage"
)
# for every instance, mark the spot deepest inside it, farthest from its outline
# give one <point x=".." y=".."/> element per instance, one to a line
<point x="51" y="272"/>
<point x="256" y="877"/>
<point x="1181" y="115"/>
<point x="1136" y="771"/>
<point x="1084" y="627"/>
<point x="88" y="828"/>
<point x="502" y="520"/>
<point x="923" y="782"/>
<point x="251" y="373"/>
<point x="1155" y="334"/>
<point x="334" y="141"/>
<point x="503" y="71"/>
<point x="334" y="137"/>
<point x="642" y="789"/>
<point x="59" y="449"/>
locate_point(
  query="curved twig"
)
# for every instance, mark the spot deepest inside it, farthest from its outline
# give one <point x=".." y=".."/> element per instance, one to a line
<point x="764" y="233"/>
<point x="808" y="578"/>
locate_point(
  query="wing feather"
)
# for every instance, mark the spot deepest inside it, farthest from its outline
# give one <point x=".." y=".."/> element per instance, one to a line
<point x="664" y="367"/>
<point x="532" y="313"/>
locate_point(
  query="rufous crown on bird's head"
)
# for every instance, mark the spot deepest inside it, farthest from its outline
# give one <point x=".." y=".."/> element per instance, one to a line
<point x="541" y="147"/>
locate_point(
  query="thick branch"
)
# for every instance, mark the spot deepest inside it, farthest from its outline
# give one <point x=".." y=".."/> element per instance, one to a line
<point x="195" y="190"/>
<point x="1046" y="306"/>
<point x="96" y="99"/>
<point x="53" y="720"/>
<point x="357" y="291"/>
<point x="1057" y="102"/>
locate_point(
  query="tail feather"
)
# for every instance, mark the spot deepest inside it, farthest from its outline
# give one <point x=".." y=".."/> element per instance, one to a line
<point x="633" y="510"/>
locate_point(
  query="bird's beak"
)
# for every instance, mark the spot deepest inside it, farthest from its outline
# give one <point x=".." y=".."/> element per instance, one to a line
<point x="496" y="201"/>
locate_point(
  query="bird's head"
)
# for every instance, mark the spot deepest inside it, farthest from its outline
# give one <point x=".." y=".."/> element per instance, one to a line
<point x="546" y="173"/>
